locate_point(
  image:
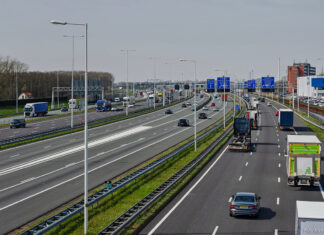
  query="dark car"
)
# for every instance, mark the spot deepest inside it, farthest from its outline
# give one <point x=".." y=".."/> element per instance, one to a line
<point x="64" y="109"/>
<point x="262" y="100"/>
<point x="245" y="204"/>
<point x="202" y="116"/>
<point x="17" y="123"/>
<point x="184" y="105"/>
<point x="168" y="111"/>
<point x="183" y="122"/>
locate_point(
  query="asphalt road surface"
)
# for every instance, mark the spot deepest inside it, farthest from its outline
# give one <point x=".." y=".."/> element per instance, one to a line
<point x="41" y="176"/>
<point x="203" y="206"/>
<point x="60" y="122"/>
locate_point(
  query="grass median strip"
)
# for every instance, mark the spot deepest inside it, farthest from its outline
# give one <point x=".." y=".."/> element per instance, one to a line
<point x="110" y="208"/>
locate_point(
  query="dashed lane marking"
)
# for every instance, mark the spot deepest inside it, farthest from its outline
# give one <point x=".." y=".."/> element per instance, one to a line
<point x="279" y="154"/>
<point x="246" y="163"/>
<point x="278" y="179"/>
<point x="278" y="200"/>
<point x="276" y="232"/>
<point x="240" y="178"/>
<point x="215" y="230"/>
<point x="279" y="165"/>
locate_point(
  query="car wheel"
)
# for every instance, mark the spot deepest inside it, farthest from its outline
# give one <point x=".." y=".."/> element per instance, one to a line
<point x="230" y="214"/>
<point x="256" y="215"/>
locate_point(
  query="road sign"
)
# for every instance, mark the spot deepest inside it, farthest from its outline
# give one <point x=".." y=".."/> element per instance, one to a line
<point x="251" y="84"/>
<point x="220" y="82"/>
<point x="267" y="83"/>
<point x="210" y="84"/>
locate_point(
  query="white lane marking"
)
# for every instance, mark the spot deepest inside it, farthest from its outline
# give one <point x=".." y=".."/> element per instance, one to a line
<point x="277" y="134"/>
<point x="70" y="164"/>
<point x="321" y="188"/>
<point x="276" y="232"/>
<point x="230" y="199"/>
<point x="99" y="154"/>
<point x="278" y="140"/>
<point x="16" y="155"/>
<point x="256" y="139"/>
<point x="48" y="146"/>
<point x="165" y="129"/>
<point x="240" y="178"/>
<point x="96" y="168"/>
<point x="278" y="179"/>
<point x="278" y="146"/>
<point x="279" y="154"/>
<point x="250" y="153"/>
<point x="186" y="194"/>
<point x="215" y="230"/>
<point x="73" y="150"/>
<point x="154" y="133"/>
<point x="27" y="180"/>
<point x="246" y="163"/>
<point x="279" y="165"/>
<point x="278" y="200"/>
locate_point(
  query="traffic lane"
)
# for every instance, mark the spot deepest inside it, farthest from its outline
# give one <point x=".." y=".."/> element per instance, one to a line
<point x="62" y="161"/>
<point x="52" y="203"/>
<point x="71" y="140"/>
<point x="198" y="213"/>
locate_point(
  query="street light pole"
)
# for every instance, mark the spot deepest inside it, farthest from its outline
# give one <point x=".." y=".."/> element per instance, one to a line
<point x="127" y="52"/>
<point x="195" y="100"/>
<point x="16" y="91"/>
<point x="85" y="25"/>
<point x="57" y="91"/>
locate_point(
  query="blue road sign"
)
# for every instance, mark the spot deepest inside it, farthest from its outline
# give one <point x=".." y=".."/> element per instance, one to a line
<point x="210" y="83"/>
<point x="237" y="107"/>
<point x="246" y="84"/>
<point x="251" y="84"/>
<point x="317" y="82"/>
<point x="267" y="82"/>
<point x="220" y="83"/>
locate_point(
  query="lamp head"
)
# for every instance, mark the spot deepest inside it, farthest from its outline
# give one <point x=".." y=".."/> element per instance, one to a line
<point x="58" y="22"/>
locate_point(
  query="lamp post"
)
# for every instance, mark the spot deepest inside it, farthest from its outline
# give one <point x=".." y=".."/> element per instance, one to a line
<point x="85" y="25"/>
<point x="195" y="99"/>
<point x="154" y="75"/>
<point x="72" y="80"/>
<point x="57" y="91"/>
<point x="127" y="52"/>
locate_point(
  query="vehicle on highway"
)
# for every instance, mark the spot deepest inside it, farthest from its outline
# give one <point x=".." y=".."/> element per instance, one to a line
<point x="202" y="116"/>
<point x="73" y="104"/>
<point x="103" y="105"/>
<point x="36" y="109"/>
<point x="286" y="119"/>
<point x="184" y="105"/>
<point x="183" y="122"/>
<point x="188" y="104"/>
<point x="168" y="111"/>
<point x="242" y="135"/>
<point x="201" y="96"/>
<point x="117" y="99"/>
<point x="262" y="100"/>
<point x="309" y="217"/>
<point x="252" y="115"/>
<point x="212" y="105"/>
<point x="116" y="108"/>
<point x="304" y="160"/>
<point x="277" y="113"/>
<point x="244" y="203"/>
<point x="64" y="109"/>
<point x="215" y="109"/>
<point x="205" y="108"/>
<point x="130" y="105"/>
<point x="269" y="104"/>
<point x="21" y="122"/>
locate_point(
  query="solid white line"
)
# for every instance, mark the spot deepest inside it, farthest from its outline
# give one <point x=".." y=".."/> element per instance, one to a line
<point x="246" y="163"/>
<point x="215" y="230"/>
<point x="240" y="178"/>
<point x="278" y="179"/>
<point x="278" y="200"/>
<point x="16" y="155"/>
<point x="321" y="188"/>
<point x="186" y="195"/>
<point x="296" y="133"/>
<point x="276" y="232"/>
<point x="99" y="154"/>
<point x="27" y="180"/>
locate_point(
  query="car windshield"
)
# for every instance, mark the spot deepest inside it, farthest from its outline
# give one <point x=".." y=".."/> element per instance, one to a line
<point x="14" y="121"/>
<point x="28" y="109"/>
<point x="244" y="199"/>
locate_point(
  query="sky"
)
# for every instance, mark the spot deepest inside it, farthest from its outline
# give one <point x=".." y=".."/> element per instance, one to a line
<point x="233" y="35"/>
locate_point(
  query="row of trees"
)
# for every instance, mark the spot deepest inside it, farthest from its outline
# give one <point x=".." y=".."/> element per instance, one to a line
<point x="40" y="83"/>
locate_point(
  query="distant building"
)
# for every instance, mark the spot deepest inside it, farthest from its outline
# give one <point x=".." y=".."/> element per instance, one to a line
<point x="25" y="96"/>
<point x="314" y="89"/>
<point x="298" y="70"/>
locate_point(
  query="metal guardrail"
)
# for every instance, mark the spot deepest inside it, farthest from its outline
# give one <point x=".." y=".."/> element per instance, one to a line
<point x="139" y="207"/>
<point x="78" y="207"/>
<point x="95" y="122"/>
<point x="301" y="116"/>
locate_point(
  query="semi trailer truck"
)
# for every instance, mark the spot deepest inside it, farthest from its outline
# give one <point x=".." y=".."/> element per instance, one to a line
<point x="252" y="115"/>
<point x="103" y="105"/>
<point x="303" y="160"/>
<point x="242" y="135"/>
<point x="286" y="119"/>
<point x="36" y="109"/>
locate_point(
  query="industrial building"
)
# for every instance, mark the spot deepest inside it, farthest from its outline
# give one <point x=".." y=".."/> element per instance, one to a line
<point x="314" y="89"/>
<point x="298" y="70"/>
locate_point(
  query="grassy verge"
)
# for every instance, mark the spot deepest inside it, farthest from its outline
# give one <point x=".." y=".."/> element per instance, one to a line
<point x="108" y="209"/>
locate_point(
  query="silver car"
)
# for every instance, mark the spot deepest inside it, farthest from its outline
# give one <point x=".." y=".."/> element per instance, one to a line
<point x="245" y="204"/>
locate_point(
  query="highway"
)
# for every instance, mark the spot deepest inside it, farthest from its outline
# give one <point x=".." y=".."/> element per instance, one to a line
<point x="42" y="125"/>
<point x="202" y="207"/>
<point x="41" y="176"/>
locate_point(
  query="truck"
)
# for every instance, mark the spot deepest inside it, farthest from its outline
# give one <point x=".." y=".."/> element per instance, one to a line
<point x="73" y="104"/>
<point x="286" y="119"/>
<point x="309" y="218"/>
<point x="242" y="135"/>
<point x="303" y="160"/>
<point x="103" y="105"/>
<point x="252" y="115"/>
<point x="36" y="109"/>
<point x="128" y="100"/>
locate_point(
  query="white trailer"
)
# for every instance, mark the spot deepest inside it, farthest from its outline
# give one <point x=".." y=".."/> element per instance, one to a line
<point x="309" y="218"/>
